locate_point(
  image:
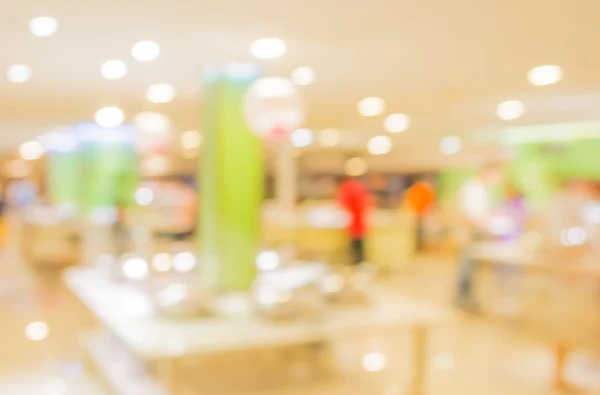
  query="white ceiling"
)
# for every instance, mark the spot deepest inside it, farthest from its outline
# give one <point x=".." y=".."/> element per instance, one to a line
<point x="445" y="63"/>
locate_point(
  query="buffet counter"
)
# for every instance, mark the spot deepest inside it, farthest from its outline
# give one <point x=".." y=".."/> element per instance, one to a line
<point x="161" y="344"/>
<point x="319" y="230"/>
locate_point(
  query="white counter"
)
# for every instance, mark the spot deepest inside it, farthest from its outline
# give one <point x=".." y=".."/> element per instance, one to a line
<point x="127" y="313"/>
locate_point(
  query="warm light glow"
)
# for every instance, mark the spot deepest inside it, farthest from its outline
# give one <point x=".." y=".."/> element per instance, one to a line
<point x="109" y="117"/>
<point x="43" y="26"/>
<point x="162" y="262"/>
<point x="303" y="76"/>
<point x="379" y="145"/>
<point x="144" y="196"/>
<point x="135" y="268"/>
<point x="329" y="137"/>
<point x="545" y="75"/>
<point x="371" y="106"/>
<point x="272" y="107"/>
<point x="374" y="362"/>
<point x="396" y="123"/>
<point x="268" y="48"/>
<point x="37" y="331"/>
<point x="31" y="150"/>
<point x="152" y="122"/>
<point x="190" y="139"/>
<point x="184" y="262"/>
<point x="509" y="110"/>
<point x="267" y="260"/>
<point x="160" y="93"/>
<point x="301" y="138"/>
<point x="145" y="51"/>
<point x="450" y="145"/>
<point x="356" y="167"/>
<point x="113" y="69"/>
<point x="18" y="73"/>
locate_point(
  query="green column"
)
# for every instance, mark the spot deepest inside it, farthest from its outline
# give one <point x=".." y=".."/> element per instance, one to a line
<point x="64" y="175"/>
<point x="231" y="182"/>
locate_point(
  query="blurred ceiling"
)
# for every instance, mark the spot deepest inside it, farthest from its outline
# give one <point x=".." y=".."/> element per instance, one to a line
<point x="447" y="64"/>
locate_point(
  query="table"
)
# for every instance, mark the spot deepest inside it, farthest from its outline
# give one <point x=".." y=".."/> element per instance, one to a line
<point x="557" y="265"/>
<point x="127" y="313"/>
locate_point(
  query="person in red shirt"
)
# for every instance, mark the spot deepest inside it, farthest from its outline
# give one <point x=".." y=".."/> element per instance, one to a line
<point x="356" y="201"/>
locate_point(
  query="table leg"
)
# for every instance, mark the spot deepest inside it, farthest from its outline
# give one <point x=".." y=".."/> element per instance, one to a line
<point x="560" y="355"/>
<point x="419" y="378"/>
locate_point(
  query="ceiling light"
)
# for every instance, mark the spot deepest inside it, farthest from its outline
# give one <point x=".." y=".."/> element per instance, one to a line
<point x="113" y="69"/>
<point x="303" y="76"/>
<point x="396" y="123"/>
<point x="18" y="73"/>
<point x="301" y="138"/>
<point x="329" y="137"/>
<point x="450" y="145"/>
<point x="268" y="48"/>
<point x="43" y="26"/>
<point x="109" y="117"/>
<point x="273" y="108"/>
<point x="37" y="331"/>
<point x="371" y="106"/>
<point x="31" y="150"/>
<point x="509" y="110"/>
<point x="374" y="362"/>
<point x="356" y="167"/>
<point x="545" y="75"/>
<point x="145" y="51"/>
<point x="144" y="196"/>
<point x="152" y="122"/>
<point x="379" y="145"/>
<point x="160" y="93"/>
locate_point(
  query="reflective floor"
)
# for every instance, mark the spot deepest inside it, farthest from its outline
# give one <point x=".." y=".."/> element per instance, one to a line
<point x="476" y="355"/>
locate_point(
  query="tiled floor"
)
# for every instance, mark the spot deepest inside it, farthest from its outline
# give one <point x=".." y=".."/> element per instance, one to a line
<point x="474" y="356"/>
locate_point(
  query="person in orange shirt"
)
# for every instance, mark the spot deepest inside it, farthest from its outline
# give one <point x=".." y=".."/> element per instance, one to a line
<point x="355" y="199"/>
<point x="419" y="199"/>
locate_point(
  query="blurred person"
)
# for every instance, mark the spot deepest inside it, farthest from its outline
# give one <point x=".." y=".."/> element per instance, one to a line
<point x="356" y="200"/>
<point x="476" y="207"/>
<point x="507" y="225"/>
<point x="419" y="199"/>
